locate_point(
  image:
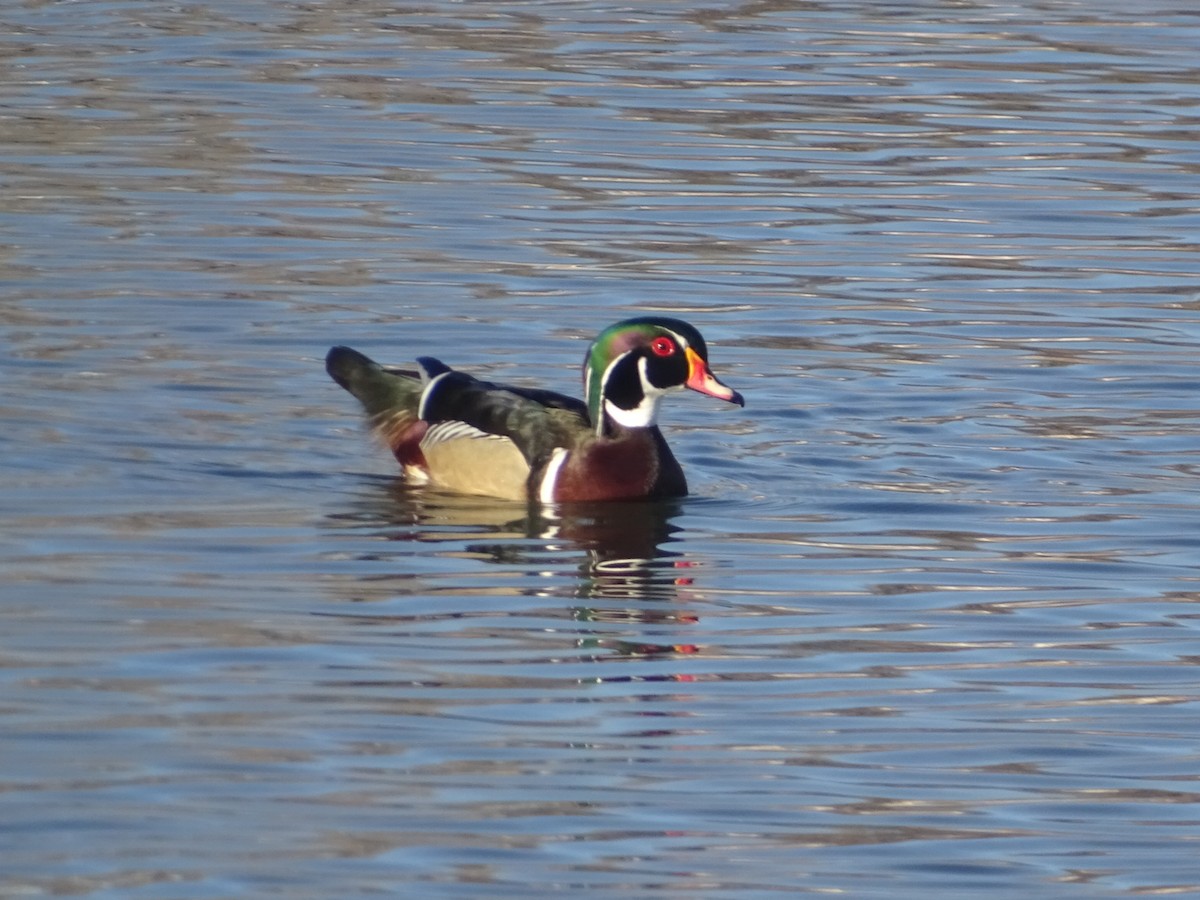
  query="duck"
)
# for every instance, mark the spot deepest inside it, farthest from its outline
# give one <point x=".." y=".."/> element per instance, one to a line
<point x="460" y="433"/>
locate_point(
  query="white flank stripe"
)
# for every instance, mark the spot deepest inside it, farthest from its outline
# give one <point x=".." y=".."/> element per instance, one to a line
<point x="550" y="479"/>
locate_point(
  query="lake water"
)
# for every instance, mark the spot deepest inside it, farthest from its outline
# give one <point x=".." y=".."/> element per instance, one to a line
<point x="928" y="625"/>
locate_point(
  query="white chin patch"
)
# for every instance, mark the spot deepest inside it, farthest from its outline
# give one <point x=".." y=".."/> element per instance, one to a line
<point x="644" y="415"/>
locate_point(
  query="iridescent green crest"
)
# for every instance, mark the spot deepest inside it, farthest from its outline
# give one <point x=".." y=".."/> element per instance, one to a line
<point x="619" y="339"/>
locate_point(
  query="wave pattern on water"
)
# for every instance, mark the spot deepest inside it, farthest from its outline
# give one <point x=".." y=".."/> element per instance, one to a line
<point x="926" y="625"/>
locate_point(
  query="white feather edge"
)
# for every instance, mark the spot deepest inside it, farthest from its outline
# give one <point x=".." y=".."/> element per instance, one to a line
<point x="425" y="394"/>
<point x="454" y="431"/>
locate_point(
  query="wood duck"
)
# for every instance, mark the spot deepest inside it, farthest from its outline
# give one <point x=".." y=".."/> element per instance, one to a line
<point x="475" y="437"/>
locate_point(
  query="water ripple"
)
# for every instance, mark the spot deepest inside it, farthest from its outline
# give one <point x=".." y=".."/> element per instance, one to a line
<point x="924" y="625"/>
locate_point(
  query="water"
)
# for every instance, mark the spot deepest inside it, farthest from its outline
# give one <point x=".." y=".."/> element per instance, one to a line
<point x="927" y="625"/>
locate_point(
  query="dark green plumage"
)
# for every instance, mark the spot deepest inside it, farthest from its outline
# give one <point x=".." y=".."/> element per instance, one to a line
<point x="378" y="389"/>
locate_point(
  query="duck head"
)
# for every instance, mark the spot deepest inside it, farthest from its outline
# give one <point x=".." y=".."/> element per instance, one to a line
<point x="631" y="365"/>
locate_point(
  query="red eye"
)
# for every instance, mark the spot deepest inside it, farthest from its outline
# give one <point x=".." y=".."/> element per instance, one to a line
<point x="662" y="346"/>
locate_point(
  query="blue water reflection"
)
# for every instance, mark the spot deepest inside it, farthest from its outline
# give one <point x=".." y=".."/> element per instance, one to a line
<point x="926" y="625"/>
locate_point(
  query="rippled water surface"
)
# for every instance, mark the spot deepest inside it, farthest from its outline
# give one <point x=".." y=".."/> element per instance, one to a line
<point x="927" y="626"/>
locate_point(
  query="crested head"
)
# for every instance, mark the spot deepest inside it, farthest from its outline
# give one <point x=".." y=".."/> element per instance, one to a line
<point x="632" y="364"/>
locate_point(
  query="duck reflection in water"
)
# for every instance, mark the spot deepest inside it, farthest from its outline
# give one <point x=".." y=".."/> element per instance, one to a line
<point x="606" y="556"/>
